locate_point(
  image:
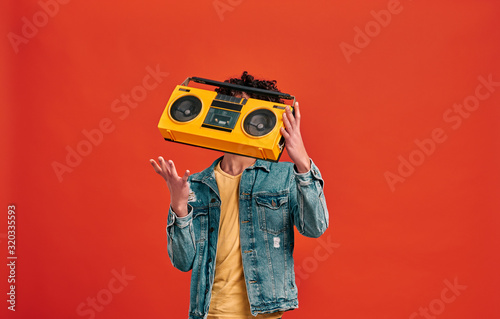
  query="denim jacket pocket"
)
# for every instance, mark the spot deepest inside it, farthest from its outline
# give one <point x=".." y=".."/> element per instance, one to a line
<point x="273" y="212"/>
<point x="200" y="223"/>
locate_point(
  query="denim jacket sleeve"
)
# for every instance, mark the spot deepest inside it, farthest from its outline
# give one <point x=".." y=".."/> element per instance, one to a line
<point x="180" y="239"/>
<point x="310" y="213"/>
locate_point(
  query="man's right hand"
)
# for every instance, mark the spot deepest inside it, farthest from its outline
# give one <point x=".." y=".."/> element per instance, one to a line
<point x="178" y="186"/>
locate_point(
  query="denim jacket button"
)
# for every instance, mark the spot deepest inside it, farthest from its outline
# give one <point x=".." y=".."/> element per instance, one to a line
<point x="213" y="200"/>
<point x="211" y="229"/>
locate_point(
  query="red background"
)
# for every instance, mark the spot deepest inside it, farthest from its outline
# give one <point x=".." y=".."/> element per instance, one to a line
<point x="394" y="249"/>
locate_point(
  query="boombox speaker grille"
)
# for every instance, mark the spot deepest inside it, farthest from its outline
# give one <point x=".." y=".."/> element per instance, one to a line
<point x="185" y="108"/>
<point x="259" y="122"/>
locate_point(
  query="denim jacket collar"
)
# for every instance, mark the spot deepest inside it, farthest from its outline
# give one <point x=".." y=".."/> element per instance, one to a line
<point x="208" y="173"/>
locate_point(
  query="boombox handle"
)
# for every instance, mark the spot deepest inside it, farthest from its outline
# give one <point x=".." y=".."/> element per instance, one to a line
<point x="237" y="87"/>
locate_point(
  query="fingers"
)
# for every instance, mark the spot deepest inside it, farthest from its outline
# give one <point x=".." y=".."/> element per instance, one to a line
<point x="186" y="175"/>
<point x="163" y="166"/>
<point x="297" y="113"/>
<point x="286" y="122"/>
<point x="289" y="122"/>
<point x="289" y="117"/>
<point x="167" y="168"/>
<point x="285" y="133"/>
<point x="155" y="166"/>
<point x="171" y="168"/>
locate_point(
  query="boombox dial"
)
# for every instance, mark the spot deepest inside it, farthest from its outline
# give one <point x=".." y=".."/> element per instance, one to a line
<point x="259" y="122"/>
<point x="185" y="108"/>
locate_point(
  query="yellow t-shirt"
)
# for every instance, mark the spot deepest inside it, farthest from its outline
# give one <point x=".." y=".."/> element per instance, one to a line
<point x="229" y="293"/>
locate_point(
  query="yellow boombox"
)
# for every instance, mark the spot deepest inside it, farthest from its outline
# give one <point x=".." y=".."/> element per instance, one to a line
<point x="249" y="127"/>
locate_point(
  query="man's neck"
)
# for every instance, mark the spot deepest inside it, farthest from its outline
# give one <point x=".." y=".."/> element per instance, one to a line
<point x="235" y="164"/>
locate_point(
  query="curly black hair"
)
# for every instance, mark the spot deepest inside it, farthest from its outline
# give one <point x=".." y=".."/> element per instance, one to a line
<point x="248" y="80"/>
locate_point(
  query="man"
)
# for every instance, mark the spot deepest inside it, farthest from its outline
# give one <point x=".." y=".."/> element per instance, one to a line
<point x="232" y="225"/>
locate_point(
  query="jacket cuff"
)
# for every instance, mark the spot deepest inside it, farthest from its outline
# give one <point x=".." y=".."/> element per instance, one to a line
<point x="313" y="173"/>
<point x="180" y="222"/>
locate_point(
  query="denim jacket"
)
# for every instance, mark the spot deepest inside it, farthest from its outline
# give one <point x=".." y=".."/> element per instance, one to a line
<point x="273" y="198"/>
